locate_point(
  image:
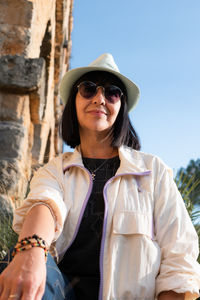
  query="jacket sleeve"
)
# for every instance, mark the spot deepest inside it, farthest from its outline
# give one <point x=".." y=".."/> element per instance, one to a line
<point x="45" y="188"/>
<point x="177" y="238"/>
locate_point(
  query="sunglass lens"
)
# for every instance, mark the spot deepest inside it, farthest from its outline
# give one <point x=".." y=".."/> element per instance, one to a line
<point x="87" y="89"/>
<point x="113" y="93"/>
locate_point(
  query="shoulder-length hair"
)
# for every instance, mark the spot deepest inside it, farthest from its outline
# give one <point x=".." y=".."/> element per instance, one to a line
<point x="122" y="132"/>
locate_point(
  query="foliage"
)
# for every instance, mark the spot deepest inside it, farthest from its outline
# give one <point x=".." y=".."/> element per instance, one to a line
<point x="187" y="176"/>
<point x="8" y="237"/>
<point x="187" y="184"/>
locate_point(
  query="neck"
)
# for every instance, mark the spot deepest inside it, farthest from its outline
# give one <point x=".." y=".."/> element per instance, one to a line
<point x="99" y="153"/>
<point x="97" y="149"/>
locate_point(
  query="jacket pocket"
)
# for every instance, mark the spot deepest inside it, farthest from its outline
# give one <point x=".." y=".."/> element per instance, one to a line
<point x="128" y="223"/>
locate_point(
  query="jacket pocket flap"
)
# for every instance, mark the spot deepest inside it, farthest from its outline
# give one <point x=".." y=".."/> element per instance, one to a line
<point x="133" y="223"/>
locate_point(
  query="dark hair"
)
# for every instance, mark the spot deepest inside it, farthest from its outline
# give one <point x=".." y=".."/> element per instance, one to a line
<point x="122" y="133"/>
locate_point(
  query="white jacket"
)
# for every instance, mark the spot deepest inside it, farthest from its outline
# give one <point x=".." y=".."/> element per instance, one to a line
<point x="148" y="243"/>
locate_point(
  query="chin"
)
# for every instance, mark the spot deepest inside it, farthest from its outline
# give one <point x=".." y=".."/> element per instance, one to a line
<point x="99" y="126"/>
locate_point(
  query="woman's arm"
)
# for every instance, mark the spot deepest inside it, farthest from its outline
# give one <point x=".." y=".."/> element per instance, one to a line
<point x="177" y="238"/>
<point x="39" y="221"/>
<point x="26" y="274"/>
<point x="170" y="295"/>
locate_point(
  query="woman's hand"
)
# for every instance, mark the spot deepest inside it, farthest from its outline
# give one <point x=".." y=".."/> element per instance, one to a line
<point x="25" y="276"/>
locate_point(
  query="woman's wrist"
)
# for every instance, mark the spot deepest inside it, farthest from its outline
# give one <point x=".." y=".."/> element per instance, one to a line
<point x="31" y="256"/>
<point x="30" y="242"/>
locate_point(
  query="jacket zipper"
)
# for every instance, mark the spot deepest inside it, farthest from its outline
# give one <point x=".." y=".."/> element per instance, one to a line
<point x="82" y="209"/>
<point x="105" y="224"/>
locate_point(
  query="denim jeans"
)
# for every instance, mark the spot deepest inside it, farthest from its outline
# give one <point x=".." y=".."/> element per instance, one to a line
<point x="57" y="285"/>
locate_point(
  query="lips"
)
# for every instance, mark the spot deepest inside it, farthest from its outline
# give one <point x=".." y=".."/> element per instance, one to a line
<point x="97" y="112"/>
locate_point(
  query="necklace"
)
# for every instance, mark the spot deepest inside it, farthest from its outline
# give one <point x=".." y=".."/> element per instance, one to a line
<point x="94" y="171"/>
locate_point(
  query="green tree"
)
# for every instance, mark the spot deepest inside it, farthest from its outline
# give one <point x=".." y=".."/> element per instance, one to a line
<point x="186" y="178"/>
<point x="187" y="184"/>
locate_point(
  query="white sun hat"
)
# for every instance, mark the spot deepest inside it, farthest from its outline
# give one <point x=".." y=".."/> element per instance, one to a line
<point x="105" y="62"/>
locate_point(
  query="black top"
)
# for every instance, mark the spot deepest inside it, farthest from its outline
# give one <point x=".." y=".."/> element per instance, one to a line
<point x="81" y="261"/>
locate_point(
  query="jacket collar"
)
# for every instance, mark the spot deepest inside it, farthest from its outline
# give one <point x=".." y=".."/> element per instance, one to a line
<point x="72" y="158"/>
<point x="131" y="160"/>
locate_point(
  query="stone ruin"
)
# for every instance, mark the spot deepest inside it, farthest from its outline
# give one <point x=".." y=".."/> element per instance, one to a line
<point x="35" y="47"/>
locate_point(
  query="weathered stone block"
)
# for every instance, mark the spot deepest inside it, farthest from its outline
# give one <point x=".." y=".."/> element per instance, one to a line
<point x="37" y="105"/>
<point x="44" y="12"/>
<point x="12" y="140"/>
<point x="37" y="144"/>
<point x="14" y="108"/>
<point x="21" y="75"/>
<point x="6" y="206"/>
<point x="9" y="175"/>
<point x="14" y="178"/>
<point x="13" y="39"/>
<point x="43" y="144"/>
<point x="16" y="12"/>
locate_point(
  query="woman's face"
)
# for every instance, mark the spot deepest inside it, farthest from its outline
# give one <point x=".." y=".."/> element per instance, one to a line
<point x="96" y="114"/>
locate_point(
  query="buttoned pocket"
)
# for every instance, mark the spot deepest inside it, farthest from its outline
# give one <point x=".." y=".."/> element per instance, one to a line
<point x="129" y="223"/>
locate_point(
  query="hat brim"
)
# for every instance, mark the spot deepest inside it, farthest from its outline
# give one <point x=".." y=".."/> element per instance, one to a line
<point x="73" y="75"/>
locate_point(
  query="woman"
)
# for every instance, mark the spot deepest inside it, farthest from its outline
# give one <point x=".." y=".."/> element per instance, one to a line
<point x="120" y="227"/>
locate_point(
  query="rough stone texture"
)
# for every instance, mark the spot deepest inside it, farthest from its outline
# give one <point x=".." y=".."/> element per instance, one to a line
<point x="40" y="140"/>
<point x="14" y="107"/>
<point x="21" y="75"/>
<point x="9" y="175"/>
<point x="63" y="45"/>
<point x="37" y="105"/>
<point x="35" y="47"/>
<point x="13" y="39"/>
<point x="6" y="207"/>
<point x="16" y="12"/>
<point x="11" y="140"/>
<point x="13" y="179"/>
<point x="43" y="12"/>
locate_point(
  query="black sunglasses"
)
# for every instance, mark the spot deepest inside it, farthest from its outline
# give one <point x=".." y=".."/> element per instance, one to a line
<point x="89" y="89"/>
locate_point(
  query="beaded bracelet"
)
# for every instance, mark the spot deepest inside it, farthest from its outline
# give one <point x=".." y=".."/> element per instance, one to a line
<point x="30" y="242"/>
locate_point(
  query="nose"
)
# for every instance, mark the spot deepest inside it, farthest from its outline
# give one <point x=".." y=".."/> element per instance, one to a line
<point x="99" y="98"/>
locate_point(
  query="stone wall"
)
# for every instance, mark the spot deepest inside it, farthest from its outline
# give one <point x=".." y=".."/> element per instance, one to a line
<point x="35" y="46"/>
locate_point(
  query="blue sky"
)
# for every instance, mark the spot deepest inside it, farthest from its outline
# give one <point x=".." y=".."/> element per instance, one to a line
<point x="157" y="45"/>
